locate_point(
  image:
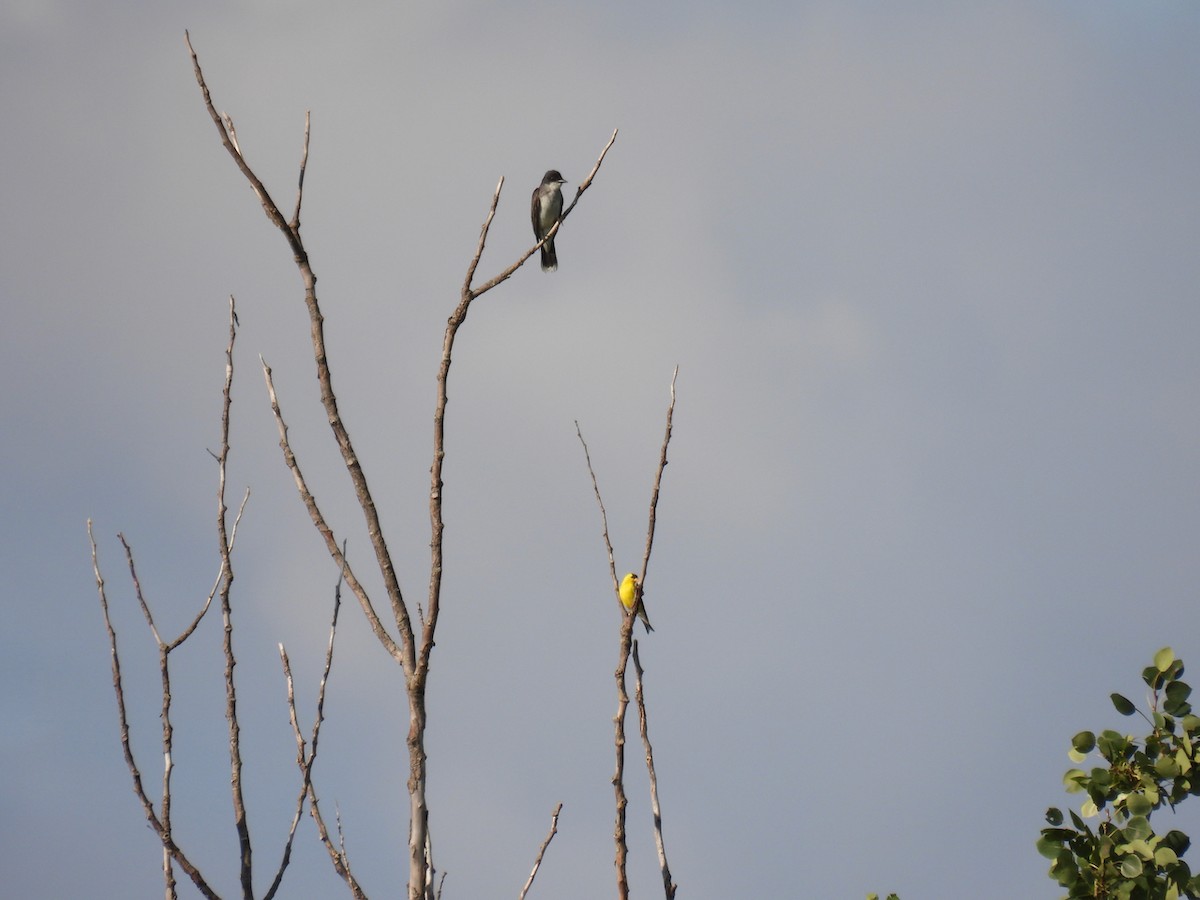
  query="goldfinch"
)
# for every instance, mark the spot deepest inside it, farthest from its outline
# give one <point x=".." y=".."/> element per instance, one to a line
<point x="631" y="599"/>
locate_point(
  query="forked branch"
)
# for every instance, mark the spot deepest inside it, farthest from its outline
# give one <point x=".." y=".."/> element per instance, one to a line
<point x="161" y="822"/>
<point x="306" y="757"/>
<point x="291" y="233"/>
<point x="626" y="642"/>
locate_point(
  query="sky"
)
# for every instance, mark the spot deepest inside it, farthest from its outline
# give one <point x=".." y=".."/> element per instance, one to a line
<point x="929" y="273"/>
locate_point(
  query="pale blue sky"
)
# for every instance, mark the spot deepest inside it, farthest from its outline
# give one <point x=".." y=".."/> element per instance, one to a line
<point x="930" y="275"/>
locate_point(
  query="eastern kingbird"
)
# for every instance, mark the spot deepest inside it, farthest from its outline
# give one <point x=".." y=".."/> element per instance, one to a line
<point x="545" y="210"/>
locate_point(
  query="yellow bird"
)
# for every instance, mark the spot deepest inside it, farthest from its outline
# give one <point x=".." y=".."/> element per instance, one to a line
<point x="631" y="599"/>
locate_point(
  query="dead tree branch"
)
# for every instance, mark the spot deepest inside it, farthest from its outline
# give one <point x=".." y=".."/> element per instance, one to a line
<point x="655" y="808"/>
<point x="413" y="658"/>
<point x="227" y="534"/>
<point x="306" y="758"/>
<point x="245" y="869"/>
<point x="537" y="863"/>
<point x="626" y="642"/>
<point x="325" y="529"/>
<point x="291" y="233"/>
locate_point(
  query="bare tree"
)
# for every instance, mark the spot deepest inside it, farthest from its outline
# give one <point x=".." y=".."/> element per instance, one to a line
<point x="413" y="647"/>
<point x="411" y="643"/>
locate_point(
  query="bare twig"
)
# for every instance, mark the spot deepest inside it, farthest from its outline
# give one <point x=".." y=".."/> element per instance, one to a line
<point x="227" y="536"/>
<point x="295" y="223"/>
<point x="302" y="762"/>
<point x="612" y="566"/>
<point x="541" y="852"/>
<point x="483" y="233"/>
<point x="626" y="635"/>
<point x="619" y="837"/>
<point x="644" y="727"/>
<point x="306" y="759"/>
<point x="171" y="851"/>
<point x="225" y="550"/>
<point x="326" y="530"/>
<point x="662" y="464"/>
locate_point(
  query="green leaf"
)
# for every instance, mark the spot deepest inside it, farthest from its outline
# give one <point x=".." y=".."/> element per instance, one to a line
<point x="1122" y="705"/>
<point x="1176" y="702"/>
<point x="1073" y="780"/>
<point x="1166" y="767"/>
<point x="1140" y="848"/>
<point x="1048" y="846"/>
<point x="1084" y="742"/>
<point x="1138" y="829"/>
<point x="1138" y="805"/>
<point x="1054" y="816"/>
<point x="1177" y="841"/>
<point x="1114" y="746"/>
<point x="1165" y="856"/>
<point x="1064" y="869"/>
<point x="1131" y="867"/>
<point x="1163" y="659"/>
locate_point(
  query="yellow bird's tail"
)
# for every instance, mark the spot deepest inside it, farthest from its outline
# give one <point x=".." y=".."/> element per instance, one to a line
<point x="631" y="598"/>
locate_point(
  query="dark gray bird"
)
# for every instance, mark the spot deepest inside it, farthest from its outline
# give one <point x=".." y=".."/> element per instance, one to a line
<point x="546" y="208"/>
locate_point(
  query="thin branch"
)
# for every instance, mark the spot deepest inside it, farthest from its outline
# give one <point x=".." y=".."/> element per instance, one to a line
<point x="295" y="223"/>
<point x="169" y="847"/>
<point x="662" y="464"/>
<point x="305" y="759"/>
<point x="224" y="124"/>
<point x="345" y="857"/>
<point x="626" y="643"/>
<point x="587" y="182"/>
<point x="612" y="566"/>
<point x="227" y="536"/>
<point x="655" y="808"/>
<point x="322" y="525"/>
<point x="626" y="635"/>
<point x="168" y="730"/>
<point x="187" y="632"/>
<point x="537" y="863"/>
<point x="225" y="548"/>
<point x="291" y="232"/>
<point x="302" y="762"/>
<point x="483" y="233"/>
